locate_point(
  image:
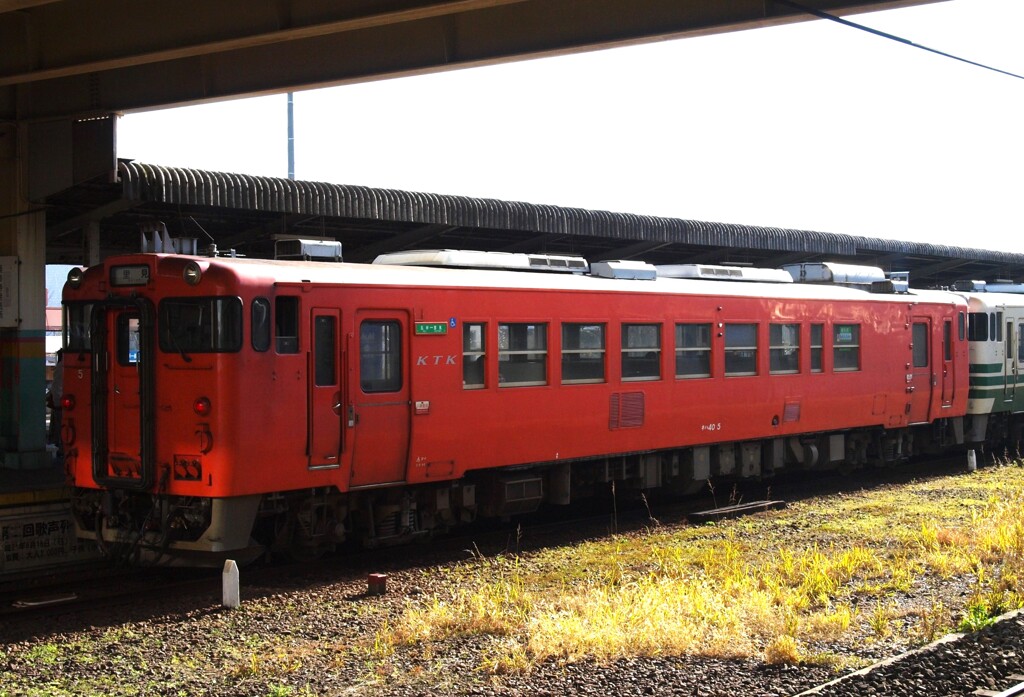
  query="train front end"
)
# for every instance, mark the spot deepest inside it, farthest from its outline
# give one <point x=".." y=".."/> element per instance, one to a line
<point x="151" y="355"/>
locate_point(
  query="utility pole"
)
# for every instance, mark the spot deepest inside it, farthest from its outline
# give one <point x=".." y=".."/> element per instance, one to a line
<point x="291" y="137"/>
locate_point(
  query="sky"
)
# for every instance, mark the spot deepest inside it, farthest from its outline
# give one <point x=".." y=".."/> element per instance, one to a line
<point x="808" y="126"/>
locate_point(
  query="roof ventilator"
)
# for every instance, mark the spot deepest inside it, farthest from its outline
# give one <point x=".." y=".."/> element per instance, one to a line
<point x="636" y="270"/>
<point x="711" y="272"/>
<point x="476" y="259"/>
<point x="870" y="278"/>
<point x="307" y="250"/>
<point x="997" y="286"/>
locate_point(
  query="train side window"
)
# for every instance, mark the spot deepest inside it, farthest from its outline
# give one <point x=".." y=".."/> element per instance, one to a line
<point x="977" y="326"/>
<point x="474" y="345"/>
<point x="919" y="342"/>
<point x="1020" y="343"/>
<point x="947" y="340"/>
<point x="693" y="350"/>
<point x="325" y="369"/>
<point x="740" y="350"/>
<point x="380" y="356"/>
<point x="784" y="348"/>
<point x="998" y="335"/>
<point x="817" y="347"/>
<point x="641" y="351"/>
<point x="961" y="329"/>
<point x="522" y="354"/>
<point x="286" y="323"/>
<point x="583" y="352"/>
<point x="846" y="347"/>
<point x="260" y="329"/>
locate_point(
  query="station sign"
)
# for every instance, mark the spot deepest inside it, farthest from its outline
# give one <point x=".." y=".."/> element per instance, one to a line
<point x="9" y="291"/>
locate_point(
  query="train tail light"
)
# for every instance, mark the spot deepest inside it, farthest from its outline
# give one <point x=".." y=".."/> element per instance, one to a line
<point x="67" y="402"/>
<point x="202" y="407"/>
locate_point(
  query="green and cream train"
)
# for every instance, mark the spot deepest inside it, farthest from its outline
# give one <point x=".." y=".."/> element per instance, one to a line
<point x="995" y="406"/>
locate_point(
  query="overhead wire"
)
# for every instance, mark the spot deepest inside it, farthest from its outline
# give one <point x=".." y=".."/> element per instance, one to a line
<point x="885" y="35"/>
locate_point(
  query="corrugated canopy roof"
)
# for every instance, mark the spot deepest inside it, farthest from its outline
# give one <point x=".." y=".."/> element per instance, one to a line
<point x="245" y="212"/>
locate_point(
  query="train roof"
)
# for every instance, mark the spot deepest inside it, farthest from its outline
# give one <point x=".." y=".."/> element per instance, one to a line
<point x="295" y="271"/>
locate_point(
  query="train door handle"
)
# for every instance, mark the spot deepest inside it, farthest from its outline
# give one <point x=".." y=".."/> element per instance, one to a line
<point x="353" y="418"/>
<point x="205" y="438"/>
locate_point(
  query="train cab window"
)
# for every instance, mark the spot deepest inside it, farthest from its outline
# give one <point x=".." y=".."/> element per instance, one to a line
<point x="817" y="347"/>
<point x="846" y="347"/>
<point x="919" y="340"/>
<point x="77" y="318"/>
<point x="286" y="323"/>
<point x="641" y="351"/>
<point x="947" y="340"/>
<point x="522" y="354"/>
<point x="200" y="325"/>
<point x="380" y="356"/>
<point x="784" y="348"/>
<point x="740" y="350"/>
<point x="693" y="350"/>
<point x="977" y="326"/>
<point x="474" y="337"/>
<point x="583" y="352"/>
<point x="260" y="324"/>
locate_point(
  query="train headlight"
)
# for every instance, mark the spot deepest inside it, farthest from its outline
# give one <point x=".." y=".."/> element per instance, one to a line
<point x="202" y="407"/>
<point x="75" y="277"/>
<point x="67" y="402"/>
<point x="192" y="273"/>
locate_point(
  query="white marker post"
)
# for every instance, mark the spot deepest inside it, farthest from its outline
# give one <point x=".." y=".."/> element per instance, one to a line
<point x="229" y="577"/>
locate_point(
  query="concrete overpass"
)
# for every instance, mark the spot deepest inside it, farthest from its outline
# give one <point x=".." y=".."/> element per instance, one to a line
<point x="67" y="66"/>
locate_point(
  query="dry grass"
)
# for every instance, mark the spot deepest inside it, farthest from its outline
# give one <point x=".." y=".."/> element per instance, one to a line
<point x="843" y="570"/>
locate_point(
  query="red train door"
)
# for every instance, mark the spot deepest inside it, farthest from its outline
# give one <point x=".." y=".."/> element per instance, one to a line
<point x="380" y="412"/>
<point x="325" y="403"/>
<point x="948" y="367"/>
<point x="919" y="380"/>
<point x="124" y="402"/>
<point x="123" y="432"/>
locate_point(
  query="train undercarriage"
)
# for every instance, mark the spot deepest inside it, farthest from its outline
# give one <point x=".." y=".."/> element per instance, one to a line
<point x="153" y="529"/>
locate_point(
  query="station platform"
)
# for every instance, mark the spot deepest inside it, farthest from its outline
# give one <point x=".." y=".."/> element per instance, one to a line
<point x="37" y="532"/>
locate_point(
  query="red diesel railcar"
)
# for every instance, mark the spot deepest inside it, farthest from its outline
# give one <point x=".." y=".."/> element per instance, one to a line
<point x="221" y="407"/>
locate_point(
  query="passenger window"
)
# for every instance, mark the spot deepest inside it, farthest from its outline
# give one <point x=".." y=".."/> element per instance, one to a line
<point x="260" y="330"/>
<point x="784" y="348"/>
<point x="473" y="355"/>
<point x="641" y="351"/>
<point x="817" y="347"/>
<point x="522" y="354"/>
<point x="846" y="347"/>
<point x="286" y="323"/>
<point x="920" y="344"/>
<point x="1020" y="343"/>
<point x="583" y="352"/>
<point x="380" y="356"/>
<point x="740" y="350"/>
<point x="693" y="350"/>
